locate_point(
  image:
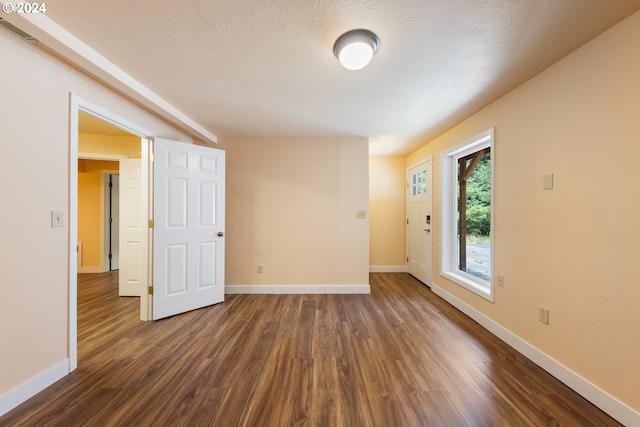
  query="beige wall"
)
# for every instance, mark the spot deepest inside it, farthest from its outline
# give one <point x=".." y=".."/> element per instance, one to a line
<point x="292" y="207"/>
<point x="35" y="137"/>
<point x="575" y="248"/>
<point x="387" y="194"/>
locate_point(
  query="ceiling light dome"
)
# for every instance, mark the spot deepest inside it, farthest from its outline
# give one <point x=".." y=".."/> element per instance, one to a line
<point x="355" y="49"/>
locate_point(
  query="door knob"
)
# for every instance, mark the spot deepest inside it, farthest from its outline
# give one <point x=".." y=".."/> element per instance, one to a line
<point x="220" y="234"/>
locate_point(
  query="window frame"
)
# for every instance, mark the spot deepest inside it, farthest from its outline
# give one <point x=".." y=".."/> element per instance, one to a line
<point x="449" y="211"/>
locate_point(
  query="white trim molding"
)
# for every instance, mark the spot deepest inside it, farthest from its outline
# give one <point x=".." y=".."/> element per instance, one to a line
<point x="32" y="387"/>
<point x="297" y="289"/>
<point x="98" y="156"/>
<point x="600" y="398"/>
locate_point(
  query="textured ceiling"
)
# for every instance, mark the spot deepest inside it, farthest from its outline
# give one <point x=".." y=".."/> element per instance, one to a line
<point x="265" y="68"/>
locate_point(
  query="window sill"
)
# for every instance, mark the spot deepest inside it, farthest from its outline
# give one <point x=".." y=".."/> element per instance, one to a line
<point x="469" y="282"/>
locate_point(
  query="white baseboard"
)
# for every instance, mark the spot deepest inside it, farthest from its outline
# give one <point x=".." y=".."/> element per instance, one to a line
<point x="89" y="269"/>
<point x="616" y="409"/>
<point x="32" y="387"/>
<point x="297" y="289"/>
<point x="388" y="269"/>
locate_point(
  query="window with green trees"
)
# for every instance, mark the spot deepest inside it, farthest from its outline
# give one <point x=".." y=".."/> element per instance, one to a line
<point x="467" y="203"/>
<point x="474" y="213"/>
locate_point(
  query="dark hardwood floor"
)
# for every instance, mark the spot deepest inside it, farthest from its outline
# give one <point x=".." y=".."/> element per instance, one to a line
<point x="398" y="357"/>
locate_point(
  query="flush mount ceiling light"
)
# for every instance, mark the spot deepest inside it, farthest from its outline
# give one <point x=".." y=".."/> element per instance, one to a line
<point x="355" y="49"/>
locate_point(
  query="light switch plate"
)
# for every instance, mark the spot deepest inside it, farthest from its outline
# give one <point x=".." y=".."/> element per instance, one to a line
<point x="547" y="182"/>
<point x="362" y="214"/>
<point x="543" y="315"/>
<point x="57" y="220"/>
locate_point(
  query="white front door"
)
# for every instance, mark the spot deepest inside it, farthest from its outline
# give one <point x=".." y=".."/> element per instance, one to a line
<point x="133" y="238"/>
<point x="420" y="221"/>
<point x="189" y="224"/>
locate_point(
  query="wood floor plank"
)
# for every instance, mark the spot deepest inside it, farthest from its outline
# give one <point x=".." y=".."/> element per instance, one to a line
<point x="398" y="357"/>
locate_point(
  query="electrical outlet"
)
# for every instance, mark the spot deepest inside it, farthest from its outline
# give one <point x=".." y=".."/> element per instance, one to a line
<point x="501" y="280"/>
<point x="260" y="269"/>
<point x="543" y="315"/>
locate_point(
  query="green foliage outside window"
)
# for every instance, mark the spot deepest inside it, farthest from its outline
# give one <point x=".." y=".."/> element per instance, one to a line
<point x="479" y="199"/>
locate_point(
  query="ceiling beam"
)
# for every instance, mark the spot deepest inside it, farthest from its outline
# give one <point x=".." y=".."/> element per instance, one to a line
<point x="64" y="44"/>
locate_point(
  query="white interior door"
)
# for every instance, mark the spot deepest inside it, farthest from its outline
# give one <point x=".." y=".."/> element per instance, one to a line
<point x="420" y="221"/>
<point x="189" y="223"/>
<point x="133" y="238"/>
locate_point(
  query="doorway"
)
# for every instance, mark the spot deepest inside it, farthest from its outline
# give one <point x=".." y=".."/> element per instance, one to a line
<point x="188" y="173"/>
<point x="100" y="119"/>
<point x="420" y="221"/>
<point x="94" y="210"/>
<point x="123" y="201"/>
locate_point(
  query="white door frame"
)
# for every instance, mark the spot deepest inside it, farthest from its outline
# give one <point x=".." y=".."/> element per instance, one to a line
<point x="78" y="104"/>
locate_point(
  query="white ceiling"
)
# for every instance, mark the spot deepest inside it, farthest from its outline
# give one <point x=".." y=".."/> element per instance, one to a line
<point x="265" y="68"/>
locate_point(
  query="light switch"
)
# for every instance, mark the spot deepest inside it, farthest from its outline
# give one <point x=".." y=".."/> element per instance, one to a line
<point x="362" y="214"/>
<point x="547" y="182"/>
<point x="57" y="220"/>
